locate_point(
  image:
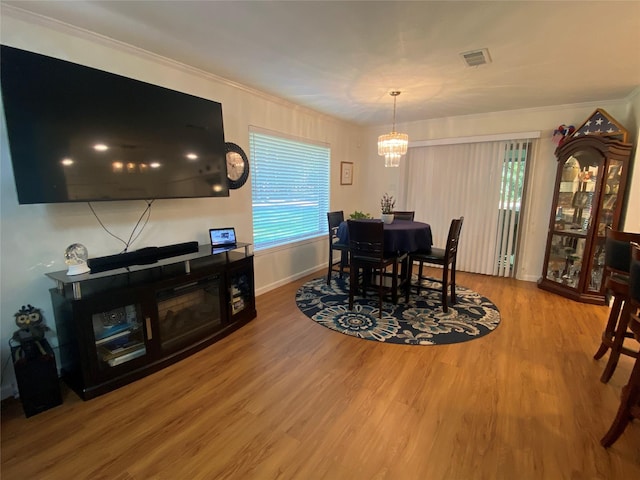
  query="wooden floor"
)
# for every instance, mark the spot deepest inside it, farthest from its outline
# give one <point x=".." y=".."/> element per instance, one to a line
<point x="286" y="398"/>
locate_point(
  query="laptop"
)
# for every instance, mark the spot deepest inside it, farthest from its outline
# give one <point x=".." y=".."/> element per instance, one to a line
<point x="222" y="239"/>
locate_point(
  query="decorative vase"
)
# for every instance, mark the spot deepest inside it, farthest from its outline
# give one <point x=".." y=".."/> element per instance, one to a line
<point x="387" y="217"/>
<point x="570" y="170"/>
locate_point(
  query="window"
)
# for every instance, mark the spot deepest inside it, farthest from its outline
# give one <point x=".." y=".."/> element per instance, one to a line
<point x="290" y="189"/>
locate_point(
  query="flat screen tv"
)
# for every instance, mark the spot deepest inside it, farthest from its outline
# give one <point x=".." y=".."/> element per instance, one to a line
<point x="78" y="134"/>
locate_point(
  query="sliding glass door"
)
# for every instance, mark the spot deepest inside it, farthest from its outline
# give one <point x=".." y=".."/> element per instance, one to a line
<point x="483" y="181"/>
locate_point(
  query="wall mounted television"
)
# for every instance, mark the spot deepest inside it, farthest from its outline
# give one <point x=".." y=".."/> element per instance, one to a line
<point x="79" y="134"/>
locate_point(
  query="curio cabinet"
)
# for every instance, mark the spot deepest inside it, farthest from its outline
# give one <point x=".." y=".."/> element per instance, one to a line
<point x="588" y="197"/>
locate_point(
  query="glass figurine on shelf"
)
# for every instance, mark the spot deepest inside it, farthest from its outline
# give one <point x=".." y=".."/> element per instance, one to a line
<point x="75" y="256"/>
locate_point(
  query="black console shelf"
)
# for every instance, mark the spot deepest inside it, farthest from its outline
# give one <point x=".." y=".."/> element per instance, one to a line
<point x="117" y="326"/>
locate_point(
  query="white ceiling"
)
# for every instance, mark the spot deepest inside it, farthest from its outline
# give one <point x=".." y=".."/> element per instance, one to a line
<point x="343" y="58"/>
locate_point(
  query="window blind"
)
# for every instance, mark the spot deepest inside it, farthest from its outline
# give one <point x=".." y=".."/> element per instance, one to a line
<point x="484" y="182"/>
<point x="290" y="189"/>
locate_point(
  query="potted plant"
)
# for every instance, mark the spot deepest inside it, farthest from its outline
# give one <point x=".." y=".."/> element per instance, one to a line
<point x="387" y="203"/>
<point x="358" y="215"/>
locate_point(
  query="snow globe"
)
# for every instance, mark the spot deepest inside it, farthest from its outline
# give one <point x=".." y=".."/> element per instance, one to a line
<point x="75" y="256"/>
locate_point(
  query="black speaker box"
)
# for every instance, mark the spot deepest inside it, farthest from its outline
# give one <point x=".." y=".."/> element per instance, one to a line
<point x="143" y="256"/>
<point x="37" y="377"/>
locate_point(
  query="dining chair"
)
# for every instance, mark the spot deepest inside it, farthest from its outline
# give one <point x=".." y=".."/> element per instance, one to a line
<point x="403" y="215"/>
<point x="335" y="219"/>
<point x="366" y="251"/>
<point x="630" y="399"/>
<point x="617" y="256"/>
<point x="446" y="257"/>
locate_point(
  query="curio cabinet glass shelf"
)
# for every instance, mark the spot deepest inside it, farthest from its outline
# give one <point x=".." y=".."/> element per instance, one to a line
<point x="588" y="197"/>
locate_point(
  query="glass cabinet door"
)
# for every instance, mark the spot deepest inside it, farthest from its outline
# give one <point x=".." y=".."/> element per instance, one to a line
<point x="118" y="335"/>
<point x="575" y="207"/>
<point x="610" y="197"/>
<point x="565" y="259"/>
<point x="189" y="312"/>
<point x="241" y="290"/>
<point x="606" y="215"/>
<point x="594" y="281"/>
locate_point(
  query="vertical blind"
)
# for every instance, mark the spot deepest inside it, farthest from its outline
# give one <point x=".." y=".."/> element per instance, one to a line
<point x="290" y="189"/>
<point x="443" y="182"/>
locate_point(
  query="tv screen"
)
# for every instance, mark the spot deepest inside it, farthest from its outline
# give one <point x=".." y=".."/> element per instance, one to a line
<point x="79" y="134"/>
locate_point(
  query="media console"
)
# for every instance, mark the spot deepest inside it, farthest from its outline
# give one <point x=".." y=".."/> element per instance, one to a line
<point x="120" y="325"/>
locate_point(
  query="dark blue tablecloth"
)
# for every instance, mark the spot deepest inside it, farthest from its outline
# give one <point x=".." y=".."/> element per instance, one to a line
<point x="399" y="236"/>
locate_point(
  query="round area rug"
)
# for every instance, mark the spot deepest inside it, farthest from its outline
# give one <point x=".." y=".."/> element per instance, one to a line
<point x="419" y="322"/>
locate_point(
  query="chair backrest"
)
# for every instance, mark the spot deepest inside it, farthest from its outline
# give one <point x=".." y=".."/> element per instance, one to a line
<point x="403" y="215"/>
<point x="634" y="273"/>
<point x="617" y="250"/>
<point x="451" y="250"/>
<point x="366" y="240"/>
<point x="334" y="219"/>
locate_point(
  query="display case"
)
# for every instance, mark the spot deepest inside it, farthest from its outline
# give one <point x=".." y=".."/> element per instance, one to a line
<point x="241" y="290"/>
<point x="116" y="326"/>
<point x="588" y="197"/>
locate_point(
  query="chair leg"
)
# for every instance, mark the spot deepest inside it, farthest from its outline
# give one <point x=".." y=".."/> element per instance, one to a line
<point x="394" y="283"/>
<point x="344" y="259"/>
<point x="445" y="286"/>
<point x="404" y="282"/>
<point x="609" y="330"/>
<point x="407" y="287"/>
<point x="420" y="264"/>
<point x="380" y="293"/>
<point x="629" y="402"/>
<point x="330" y="266"/>
<point x="353" y="284"/>
<point x="616" y="347"/>
<point x="366" y="276"/>
<point x="454" y="300"/>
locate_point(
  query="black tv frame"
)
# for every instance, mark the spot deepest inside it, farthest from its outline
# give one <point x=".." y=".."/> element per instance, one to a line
<point x="57" y="110"/>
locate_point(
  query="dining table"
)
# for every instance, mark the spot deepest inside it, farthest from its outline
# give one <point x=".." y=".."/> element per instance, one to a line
<point x="404" y="236"/>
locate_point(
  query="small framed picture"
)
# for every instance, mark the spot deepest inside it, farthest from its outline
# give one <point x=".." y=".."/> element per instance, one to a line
<point x="581" y="199"/>
<point x="564" y="199"/>
<point x="346" y="173"/>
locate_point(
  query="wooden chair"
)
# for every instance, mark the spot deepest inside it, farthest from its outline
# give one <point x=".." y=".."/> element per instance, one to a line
<point x="630" y="399"/>
<point x="366" y="251"/>
<point x="447" y="257"/>
<point x="335" y="219"/>
<point x="617" y="256"/>
<point x="403" y="215"/>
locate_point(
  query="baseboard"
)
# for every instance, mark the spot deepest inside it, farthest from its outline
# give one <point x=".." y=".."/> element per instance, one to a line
<point x="9" y="391"/>
<point x="529" y="278"/>
<point x="284" y="281"/>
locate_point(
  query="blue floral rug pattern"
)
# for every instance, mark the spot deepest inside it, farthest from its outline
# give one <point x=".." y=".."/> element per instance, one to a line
<point x="420" y="322"/>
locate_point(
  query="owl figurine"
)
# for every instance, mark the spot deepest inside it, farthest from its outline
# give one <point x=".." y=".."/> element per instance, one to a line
<point x="31" y="331"/>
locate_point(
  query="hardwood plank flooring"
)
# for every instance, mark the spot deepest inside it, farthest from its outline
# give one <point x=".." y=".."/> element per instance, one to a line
<point x="285" y="398"/>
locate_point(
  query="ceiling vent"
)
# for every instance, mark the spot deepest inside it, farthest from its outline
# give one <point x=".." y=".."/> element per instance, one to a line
<point x="476" y="57"/>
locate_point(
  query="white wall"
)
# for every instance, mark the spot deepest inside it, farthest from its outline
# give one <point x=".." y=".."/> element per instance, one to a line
<point x="542" y="173"/>
<point x="33" y="237"/>
<point x="632" y="214"/>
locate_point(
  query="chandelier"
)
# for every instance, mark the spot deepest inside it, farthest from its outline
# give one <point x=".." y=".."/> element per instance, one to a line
<point x="393" y="145"/>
